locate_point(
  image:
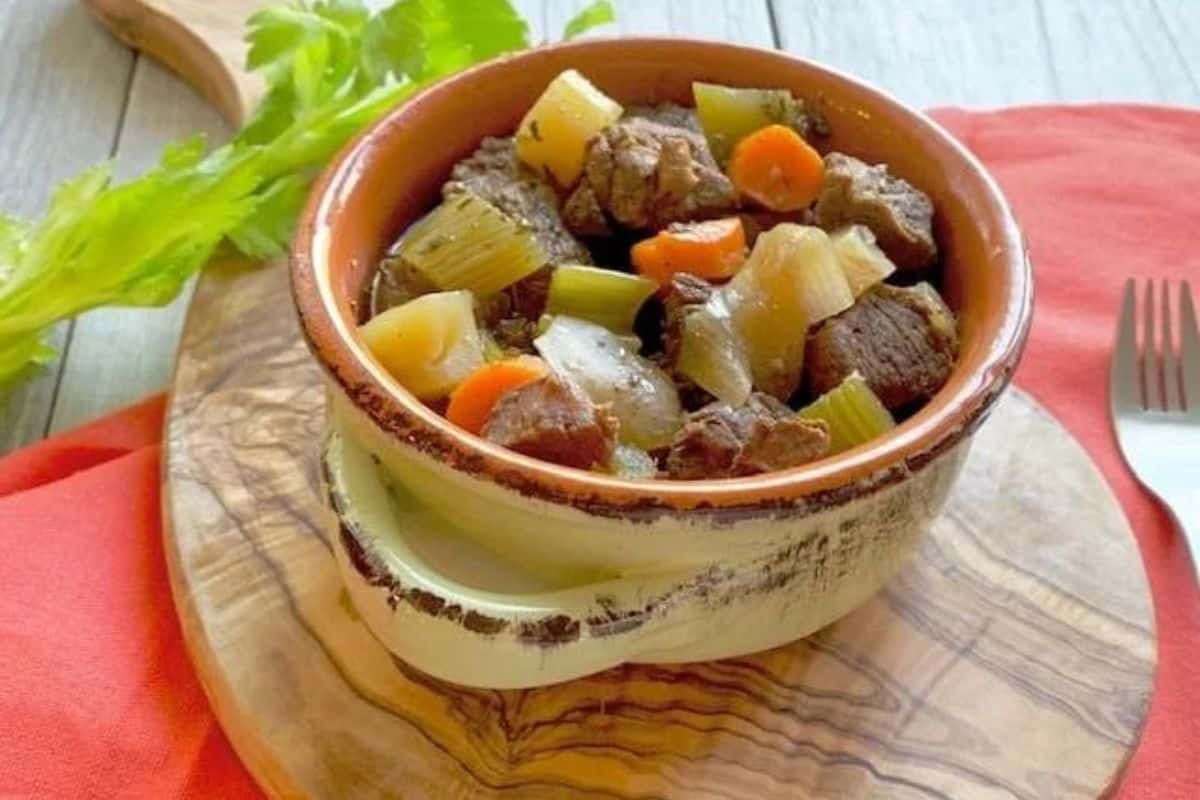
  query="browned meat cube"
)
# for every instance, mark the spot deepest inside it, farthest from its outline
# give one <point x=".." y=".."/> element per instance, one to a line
<point x="682" y="292"/>
<point x="670" y="114"/>
<point x="900" y="216"/>
<point x="552" y="420"/>
<point x="644" y="175"/>
<point x="720" y="441"/>
<point x="902" y="341"/>
<point x="756" y="223"/>
<point x="494" y="173"/>
<point x="397" y="282"/>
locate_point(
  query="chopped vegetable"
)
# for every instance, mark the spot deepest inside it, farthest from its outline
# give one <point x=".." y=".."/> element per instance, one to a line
<point x="553" y="135"/>
<point x="430" y="344"/>
<point x="712" y="354"/>
<point x="643" y="398"/>
<point x="467" y="243"/>
<point x="728" y="114"/>
<point x="603" y="296"/>
<point x="713" y="250"/>
<point x="766" y="304"/>
<point x="853" y="412"/>
<point x="628" y="461"/>
<point x="822" y="282"/>
<point x="492" y="349"/>
<point x="472" y="400"/>
<point x="776" y="168"/>
<point x="862" y="262"/>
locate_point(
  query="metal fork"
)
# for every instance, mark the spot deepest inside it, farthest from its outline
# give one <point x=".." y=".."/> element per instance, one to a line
<point x="1154" y="397"/>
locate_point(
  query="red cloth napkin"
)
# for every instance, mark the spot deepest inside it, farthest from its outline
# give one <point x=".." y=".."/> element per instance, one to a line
<point x="98" y="699"/>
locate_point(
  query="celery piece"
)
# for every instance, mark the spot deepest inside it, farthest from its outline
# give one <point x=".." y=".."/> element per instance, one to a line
<point x="603" y="296"/>
<point x="854" y="413"/>
<point x="467" y="243"/>
<point x="729" y="114"/>
<point x="429" y="344"/>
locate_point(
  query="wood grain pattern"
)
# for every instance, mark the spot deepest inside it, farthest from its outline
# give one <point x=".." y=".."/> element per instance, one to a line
<point x="1013" y="658"/>
<point x="199" y="39"/>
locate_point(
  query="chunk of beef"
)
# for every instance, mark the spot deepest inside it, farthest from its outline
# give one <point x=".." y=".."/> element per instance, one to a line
<point x="512" y="313"/>
<point x="670" y="114"/>
<point x="756" y="223"/>
<point x="720" y="441"/>
<point x="645" y="175"/>
<point x="494" y="173"/>
<point x="396" y="282"/>
<point x="900" y="216"/>
<point x="552" y="420"/>
<point x="903" y="341"/>
<point x="682" y="292"/>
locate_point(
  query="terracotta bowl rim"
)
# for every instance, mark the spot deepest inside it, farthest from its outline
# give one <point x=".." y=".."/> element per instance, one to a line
<point x="943" y="422"/>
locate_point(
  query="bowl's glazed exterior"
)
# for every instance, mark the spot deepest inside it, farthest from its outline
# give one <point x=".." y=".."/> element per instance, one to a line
<point x="630" y="570"/>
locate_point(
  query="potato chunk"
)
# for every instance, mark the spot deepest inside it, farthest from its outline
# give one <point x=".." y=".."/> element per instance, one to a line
<point x="429" y="344"/>
<point x="554" y="133"/>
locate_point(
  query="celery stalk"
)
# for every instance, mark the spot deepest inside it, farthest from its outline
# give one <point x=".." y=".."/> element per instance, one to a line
<point x="729" y="114"/>
<point x="853" y="412"/>
<point x="467" y="243"/>
<point x="603" y="296"/>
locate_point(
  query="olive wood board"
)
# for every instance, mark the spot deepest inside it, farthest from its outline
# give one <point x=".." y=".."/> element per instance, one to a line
<point x="1012" y="657"/>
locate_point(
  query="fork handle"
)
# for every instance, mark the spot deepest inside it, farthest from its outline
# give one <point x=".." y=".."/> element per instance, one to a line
<point x="1185" y="508"/>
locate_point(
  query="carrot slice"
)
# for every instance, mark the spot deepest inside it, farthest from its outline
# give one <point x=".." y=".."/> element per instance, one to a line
<point x="776" y="168"/>
<point x="713" y="249"/>
<point x="472" y="400"/>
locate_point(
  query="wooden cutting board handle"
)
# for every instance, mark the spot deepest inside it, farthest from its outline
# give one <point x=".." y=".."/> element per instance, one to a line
<point x="202" y="40"/>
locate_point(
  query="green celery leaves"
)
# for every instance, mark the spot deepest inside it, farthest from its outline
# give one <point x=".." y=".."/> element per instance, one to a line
<point x="332" y="67"/>
<point x="593" y="15"/>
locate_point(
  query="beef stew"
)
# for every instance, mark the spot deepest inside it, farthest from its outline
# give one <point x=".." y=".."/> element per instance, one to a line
<point x="657" y="292"/>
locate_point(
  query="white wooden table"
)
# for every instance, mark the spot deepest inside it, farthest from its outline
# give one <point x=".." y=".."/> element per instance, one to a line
<point x="71" y="95"/>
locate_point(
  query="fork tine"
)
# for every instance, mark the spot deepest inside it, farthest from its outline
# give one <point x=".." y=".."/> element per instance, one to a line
<point x="1151" y="373"/>
<point x="1189" y="349"/>
<point x="1124" y="390"/>
<point x="1170" y="366"/>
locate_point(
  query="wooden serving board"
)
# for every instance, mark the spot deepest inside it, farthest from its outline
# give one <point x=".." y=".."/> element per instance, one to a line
<point x="1012" y="658"/>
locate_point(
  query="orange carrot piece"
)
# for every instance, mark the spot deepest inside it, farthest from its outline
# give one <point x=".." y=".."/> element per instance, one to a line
<point x="713" y="249"/>
<point x="776" y="168"/>
<point x="472" y="400"/>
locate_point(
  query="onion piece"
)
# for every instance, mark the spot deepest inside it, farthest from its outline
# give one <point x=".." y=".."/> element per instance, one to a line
<point x="628" y="461"/>
<point x="642" y="397"/>
<point x="862" y="262"/>
<point x="713" y="355"/>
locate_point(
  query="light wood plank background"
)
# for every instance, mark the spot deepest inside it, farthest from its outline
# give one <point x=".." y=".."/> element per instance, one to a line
<point x="71" y="95"/>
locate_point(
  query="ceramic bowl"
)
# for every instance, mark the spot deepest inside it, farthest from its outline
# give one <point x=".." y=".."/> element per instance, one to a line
<point x="485" y="567"/>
